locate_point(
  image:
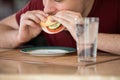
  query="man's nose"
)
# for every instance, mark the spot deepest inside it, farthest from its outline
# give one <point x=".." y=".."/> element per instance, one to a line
<point x="50" y="9"/>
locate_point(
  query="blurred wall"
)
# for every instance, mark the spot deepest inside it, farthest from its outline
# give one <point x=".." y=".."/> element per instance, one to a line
<point x="8" y="7"/>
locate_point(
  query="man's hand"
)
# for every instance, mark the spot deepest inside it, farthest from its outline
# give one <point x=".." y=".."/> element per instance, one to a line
<point x="29" y="25"/>
<point x="67" y="19"/>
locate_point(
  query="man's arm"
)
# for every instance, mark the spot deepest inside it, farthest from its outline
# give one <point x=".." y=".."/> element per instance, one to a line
<point x="109" y="43"/>
<point x="12" y="35"/>
<point x="8" y="32"/>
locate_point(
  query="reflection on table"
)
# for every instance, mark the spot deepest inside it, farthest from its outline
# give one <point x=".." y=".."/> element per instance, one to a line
<point x="17" y="66"/>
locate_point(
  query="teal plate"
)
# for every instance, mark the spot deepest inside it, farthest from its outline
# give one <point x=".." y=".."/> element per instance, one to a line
<point x="48" y="51"/>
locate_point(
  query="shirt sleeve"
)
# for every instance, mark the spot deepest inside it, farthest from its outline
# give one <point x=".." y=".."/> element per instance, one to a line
<point x="119" y="17"/>
<point x="31" y="5"/>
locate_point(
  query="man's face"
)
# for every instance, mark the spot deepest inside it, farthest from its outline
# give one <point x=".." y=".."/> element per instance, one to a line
<point x="53" y="6"/>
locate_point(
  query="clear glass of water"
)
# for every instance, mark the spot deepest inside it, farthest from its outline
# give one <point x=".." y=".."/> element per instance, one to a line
<point x="87" y="33"/>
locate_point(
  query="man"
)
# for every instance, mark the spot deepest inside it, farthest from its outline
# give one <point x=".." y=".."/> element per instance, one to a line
<point x="24" y="25"/>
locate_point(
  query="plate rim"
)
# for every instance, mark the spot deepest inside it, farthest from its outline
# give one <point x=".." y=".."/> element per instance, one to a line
<point x="69" y="49"/>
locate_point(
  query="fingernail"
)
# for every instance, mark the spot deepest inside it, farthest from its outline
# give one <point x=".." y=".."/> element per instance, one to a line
<point x="52" y="19"/>
<point x="46" y="15"/>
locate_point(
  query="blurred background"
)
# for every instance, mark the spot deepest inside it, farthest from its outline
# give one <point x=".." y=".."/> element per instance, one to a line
<point x="8" y="7"/>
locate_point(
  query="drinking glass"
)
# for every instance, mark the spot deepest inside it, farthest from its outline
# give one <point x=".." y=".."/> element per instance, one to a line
<point x="87" y="33"/>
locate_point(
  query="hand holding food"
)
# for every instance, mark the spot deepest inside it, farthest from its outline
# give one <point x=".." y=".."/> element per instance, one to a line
<point x="29" y="25"/>
<point x="51" y="27"/>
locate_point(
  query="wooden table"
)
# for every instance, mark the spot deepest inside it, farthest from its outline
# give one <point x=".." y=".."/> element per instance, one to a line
<point x="15" y="65"/>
